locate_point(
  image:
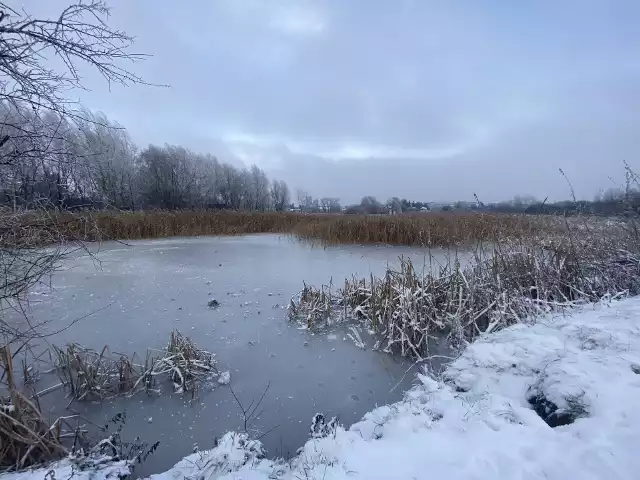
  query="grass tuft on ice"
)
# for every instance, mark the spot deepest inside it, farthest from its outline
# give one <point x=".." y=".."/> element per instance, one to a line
<point x="90" y="375"/>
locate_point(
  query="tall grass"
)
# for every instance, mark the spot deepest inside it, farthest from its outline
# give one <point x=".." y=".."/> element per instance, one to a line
<point x="163" y="223"/>
<point x="429" y="230"/>
<point x="422" y="230"/>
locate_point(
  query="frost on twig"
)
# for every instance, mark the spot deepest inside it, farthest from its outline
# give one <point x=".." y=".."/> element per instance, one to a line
<point x="356" y="338"/>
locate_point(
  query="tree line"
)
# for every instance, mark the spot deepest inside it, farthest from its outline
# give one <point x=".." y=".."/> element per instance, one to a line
<point x="86" y="160"/>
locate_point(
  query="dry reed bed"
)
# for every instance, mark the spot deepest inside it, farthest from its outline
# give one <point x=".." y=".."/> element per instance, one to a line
<point x="430" y="229"/>
<point x="511" y="283"/>
<point x="156" y="224"/>
<point x="424" y="230"/>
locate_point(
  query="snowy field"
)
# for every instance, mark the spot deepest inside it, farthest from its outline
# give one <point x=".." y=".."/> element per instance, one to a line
<point x="483" y="420"/>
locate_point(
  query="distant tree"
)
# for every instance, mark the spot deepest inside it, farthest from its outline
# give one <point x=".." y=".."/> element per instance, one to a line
<point x="279" y="195"/>
<point x="613" y="194"/>
<point x="395" y="205"/>
<point x="301" y="196"/>
<point x="370" y="205"/>
<point x="306" y="201"/>
<point x="334" y="205"/>
<point x="330" y="204"/>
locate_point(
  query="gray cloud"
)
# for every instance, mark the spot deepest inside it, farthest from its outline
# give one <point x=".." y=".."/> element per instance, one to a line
<point x="425" y="99"/>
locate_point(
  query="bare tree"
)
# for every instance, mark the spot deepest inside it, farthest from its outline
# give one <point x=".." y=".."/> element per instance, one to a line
<point x="107" y="163"/>
<point x="80" y="35"/>
<point x="35" y="125"/>
<point x="395" y="205"/>
<point x="301" y="197"/>
<point x="279" y="195"/>
<point x="256" y="186"/>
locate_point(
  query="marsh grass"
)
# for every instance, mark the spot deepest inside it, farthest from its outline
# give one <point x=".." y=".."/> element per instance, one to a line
<point x="424" y="230"/>
<point x="504" y="283"/>
<point x="91" y="375"/>
<point x="29" y="439"/>
<point x="26" y="437"/>
<point x="313" y="305"/>
<point x="164" y="223"/>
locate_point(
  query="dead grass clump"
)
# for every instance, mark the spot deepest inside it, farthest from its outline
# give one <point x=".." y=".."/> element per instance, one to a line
<point x="91" y="375"/>
<point x="313" y="306"/>
<point x="184" y="362"/>
<point x="26" y="437"/>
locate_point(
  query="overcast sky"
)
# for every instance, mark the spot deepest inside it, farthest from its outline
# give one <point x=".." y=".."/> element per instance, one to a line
<point x="429" y="100"/>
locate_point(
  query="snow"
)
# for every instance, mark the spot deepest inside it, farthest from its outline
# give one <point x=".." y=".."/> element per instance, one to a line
<point x="76" y="468"/>
<point x="476" y="422"/>
<point x="224" y="378"/>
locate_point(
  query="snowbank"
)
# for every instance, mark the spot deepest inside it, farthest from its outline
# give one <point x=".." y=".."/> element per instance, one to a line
<point x="76" y="468"/>
<point x="485" y="419"/>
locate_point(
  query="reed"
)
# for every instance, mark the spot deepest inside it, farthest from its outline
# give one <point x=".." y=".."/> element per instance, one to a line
<point x="91" y="375"/>
<point x="507" y="283"/>
<point x="98" y="375"/>
<point x="424" y="230"/>
<point x="26" y="437"/>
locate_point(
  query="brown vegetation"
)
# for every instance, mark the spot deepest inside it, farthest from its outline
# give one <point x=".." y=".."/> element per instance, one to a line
<point x="508" y="282"/>
<point x="422" y="230"/>
<point x="26" y="437"/>
<point x="429" y="230"/>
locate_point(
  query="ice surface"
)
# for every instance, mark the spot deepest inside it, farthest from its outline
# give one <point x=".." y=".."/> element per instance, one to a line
<point x="478" y="422"/>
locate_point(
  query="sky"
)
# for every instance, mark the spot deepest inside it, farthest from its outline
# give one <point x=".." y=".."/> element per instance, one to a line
<point x="428" y="100"/>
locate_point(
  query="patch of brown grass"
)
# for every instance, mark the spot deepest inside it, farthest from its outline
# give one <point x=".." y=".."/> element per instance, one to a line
<point x="423" y="230"/>
<point x="163" y="223"/>
<point x="428" y="230"/>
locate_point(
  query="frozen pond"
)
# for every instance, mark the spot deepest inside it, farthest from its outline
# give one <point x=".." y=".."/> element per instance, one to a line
<point x="131" y="297"/>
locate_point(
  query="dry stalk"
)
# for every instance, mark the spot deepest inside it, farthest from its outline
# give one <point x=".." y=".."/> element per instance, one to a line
<point x="512" y="282"/>
<point x="91" y="375"/>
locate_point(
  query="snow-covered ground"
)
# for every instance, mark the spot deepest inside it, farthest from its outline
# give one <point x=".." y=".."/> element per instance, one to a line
<point x="480" y="420"/>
